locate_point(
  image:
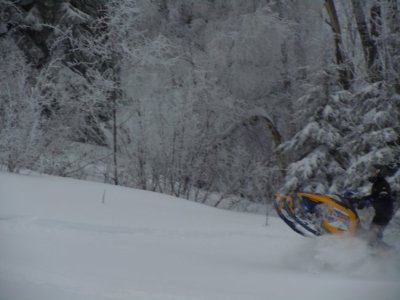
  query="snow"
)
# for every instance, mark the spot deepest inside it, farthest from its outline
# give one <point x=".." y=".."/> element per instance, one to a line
<point x="60" y="239"/>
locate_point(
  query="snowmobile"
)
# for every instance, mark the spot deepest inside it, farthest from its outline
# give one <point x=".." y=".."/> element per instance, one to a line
<point x="312" y="214"/>
<point x="317" y="214"/>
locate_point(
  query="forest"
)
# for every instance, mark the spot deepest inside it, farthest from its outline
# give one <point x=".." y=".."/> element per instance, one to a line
<point x="197" y="98"/>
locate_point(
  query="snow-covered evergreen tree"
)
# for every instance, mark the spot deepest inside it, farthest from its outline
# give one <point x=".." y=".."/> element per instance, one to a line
<point x="365" y="130"/>
<point x="318" y="161"/>
<point x="375" y="137"/>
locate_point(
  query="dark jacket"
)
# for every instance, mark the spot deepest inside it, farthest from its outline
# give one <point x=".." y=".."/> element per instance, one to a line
<point x="381" y="200"/>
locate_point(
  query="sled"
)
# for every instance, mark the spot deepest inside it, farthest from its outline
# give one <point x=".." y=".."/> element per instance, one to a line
<point x="316" y="214"/>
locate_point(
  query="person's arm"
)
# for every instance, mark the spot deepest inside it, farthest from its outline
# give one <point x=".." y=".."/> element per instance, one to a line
<point x="362" y="202"/>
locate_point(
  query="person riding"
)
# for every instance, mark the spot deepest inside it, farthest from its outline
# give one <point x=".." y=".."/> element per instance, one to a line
<point x="382" y="202"/>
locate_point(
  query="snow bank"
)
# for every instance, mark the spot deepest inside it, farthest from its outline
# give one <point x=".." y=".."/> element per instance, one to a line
<point x="60" y="240"/>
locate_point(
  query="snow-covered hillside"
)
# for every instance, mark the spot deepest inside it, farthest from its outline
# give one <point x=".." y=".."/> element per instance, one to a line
<point x="73" y="240"/>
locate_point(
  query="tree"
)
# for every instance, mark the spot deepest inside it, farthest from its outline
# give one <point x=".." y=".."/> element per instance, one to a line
<point x="369" y="37"/>
<point x="195" y="97"/>
<point x="21" y="133"/>
<point x="393" y="40"/>
<point x="319" y="162"/>
<point x="375" y="137"/>
<point x="344" y="66"/>
<point x="36" y="25"/>
<point x="118" y="40"/>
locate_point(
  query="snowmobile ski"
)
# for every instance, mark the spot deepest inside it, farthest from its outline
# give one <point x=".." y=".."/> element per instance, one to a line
<point x="285" y="215"/>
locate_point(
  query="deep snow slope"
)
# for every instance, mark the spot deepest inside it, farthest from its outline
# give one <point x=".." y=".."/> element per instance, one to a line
<point x="63" y="239"/>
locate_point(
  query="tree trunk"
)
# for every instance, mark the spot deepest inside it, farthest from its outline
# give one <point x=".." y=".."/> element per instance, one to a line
<point x="368" y="42"/>
<point x="394" y="44"/>
<point x="253" y="121"/>
<point x="286" y="80"/>
<point x="115" y="95"/>
<point x="115" y="140"/>
<point x="344" y="67"/>
<point x="163" y="8"/>
<point x="376" y="30"/>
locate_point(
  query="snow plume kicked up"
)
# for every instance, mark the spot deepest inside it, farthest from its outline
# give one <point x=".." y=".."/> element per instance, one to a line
<point x="341" y="254"/>
<point x="350" y="256"/>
